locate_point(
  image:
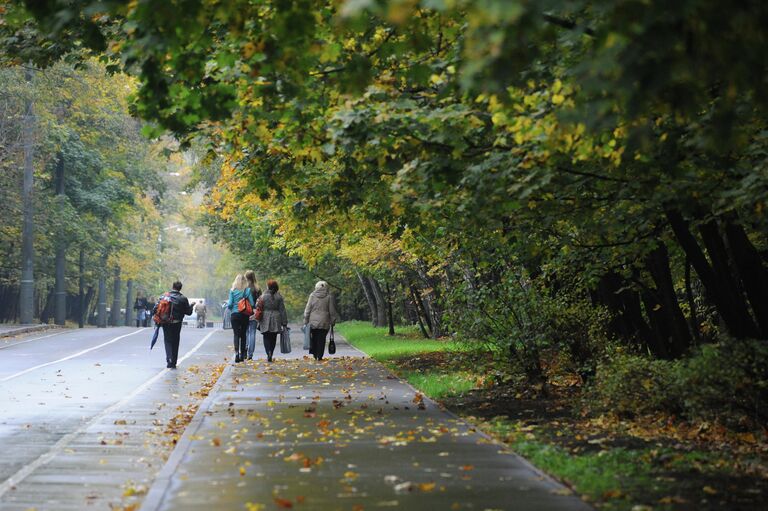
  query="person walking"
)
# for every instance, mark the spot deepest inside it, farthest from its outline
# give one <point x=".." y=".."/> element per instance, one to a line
<point x="172" y="329"/>
<point x="141" y="306"/>
<point x="201" y="310"/>
<point x="250" y="337"/>
<point x="274" y="318"/>
<point x="239" y="291"/>
<point x="319" y="317"/>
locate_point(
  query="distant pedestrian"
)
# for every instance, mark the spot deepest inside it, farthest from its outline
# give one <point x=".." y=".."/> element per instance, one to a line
<point x="239" y="318"/>
<point x="319" y="317"/>
<point x="274" y="318"/>
<point x="141" y="306"/>
<point x="151" y="304"/>
<point x="201" y="310"/>
<point x="172" y="328"/>
<point x="250" y="336"/>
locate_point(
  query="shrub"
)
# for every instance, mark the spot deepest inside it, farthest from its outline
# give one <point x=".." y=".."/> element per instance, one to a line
<point x="630" y="384"/>
<point x="727" y="382"/>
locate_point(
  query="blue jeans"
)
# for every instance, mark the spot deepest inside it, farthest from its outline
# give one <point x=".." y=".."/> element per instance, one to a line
<point x="250" y="337"/>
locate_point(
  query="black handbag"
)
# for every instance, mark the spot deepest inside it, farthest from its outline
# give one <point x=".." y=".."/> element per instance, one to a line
<point x="331" y="344"/>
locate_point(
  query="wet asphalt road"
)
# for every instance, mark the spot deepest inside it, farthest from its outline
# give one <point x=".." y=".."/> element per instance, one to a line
<point x="76" y="407"/>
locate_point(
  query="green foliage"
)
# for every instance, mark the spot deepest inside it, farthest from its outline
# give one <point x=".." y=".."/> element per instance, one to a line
<point x="725" y="382"/>
<point x="629" y="384"/>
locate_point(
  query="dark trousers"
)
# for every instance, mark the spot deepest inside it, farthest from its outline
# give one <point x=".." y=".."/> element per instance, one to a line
<point x="317" y="342"/>
<point x="270" y="341"/>
<point x="239" y="330"/>
<point x="171" y="338"/>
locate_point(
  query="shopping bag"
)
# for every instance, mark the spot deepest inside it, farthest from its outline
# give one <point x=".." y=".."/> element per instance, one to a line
<point x="285" y="340"/>
<point x="306" y="330"/>
<point x="332" y="344"/>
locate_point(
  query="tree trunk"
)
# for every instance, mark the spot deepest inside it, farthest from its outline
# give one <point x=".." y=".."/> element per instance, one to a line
<point x="82" y="312"/>
<point x="695" y="326"/>
<point x="101" y="319"/>
<point x="422" y="309"/>
<point x="129" y="303"/>
<point x="60" y="314"/>
<point x="381" y="304"/>
<point x="677" y="333"/>
<point x="27" y="287"/>
<point x="418" y="313"/>
<point x="627" y="320"/>
<point x="389" y="311"/>
<point x="116" y="299"/>
<point x="753" y="274"/>
<point x="368" y="296"/>
<point x="730" y="306"/>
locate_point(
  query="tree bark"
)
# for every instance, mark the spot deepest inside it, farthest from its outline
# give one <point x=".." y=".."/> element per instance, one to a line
<point x="730" y="306"/>
<point x="752" y="271"/>
<point x="389" y="311"/>
<point x="381" y="304"/>
<point x="129" y="303"/>
<point x="101" y="320"/>
<point x="418" y="313"/>
<point x="368" y="296"/>
<point x="81" y="313"/>
<point x="692" y="302"/>
<point x="27" y="287"/>
<point x="60" y="310"/>
<point x="679" y="337"/>
<point x="116" y="299"/>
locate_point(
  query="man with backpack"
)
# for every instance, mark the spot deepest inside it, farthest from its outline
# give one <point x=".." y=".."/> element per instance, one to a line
<point x="169" y="313"/>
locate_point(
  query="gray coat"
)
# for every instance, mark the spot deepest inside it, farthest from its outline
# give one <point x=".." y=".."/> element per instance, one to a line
<point x="320" y="311"/>
<point x="275" y="316"/>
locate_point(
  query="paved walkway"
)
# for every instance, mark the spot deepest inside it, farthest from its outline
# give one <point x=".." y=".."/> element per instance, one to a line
<point x="9" y="330"/>
<point x="342" y="434"/>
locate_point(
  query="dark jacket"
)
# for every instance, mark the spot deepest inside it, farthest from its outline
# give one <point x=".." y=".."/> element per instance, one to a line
<point x="181" y="306"/>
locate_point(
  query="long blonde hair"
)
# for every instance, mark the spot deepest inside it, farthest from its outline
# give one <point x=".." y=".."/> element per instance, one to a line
<point x="239" y="283"/>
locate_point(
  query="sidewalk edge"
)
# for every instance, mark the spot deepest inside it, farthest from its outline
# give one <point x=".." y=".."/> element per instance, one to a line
<point x="476" y="429"/>
<point x="162" y="481"/>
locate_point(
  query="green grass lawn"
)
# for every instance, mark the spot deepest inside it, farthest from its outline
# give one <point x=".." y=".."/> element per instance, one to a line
<point x="401" y="349"/>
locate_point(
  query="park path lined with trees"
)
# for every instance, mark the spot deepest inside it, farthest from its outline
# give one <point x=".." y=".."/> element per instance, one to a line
<point x="576" y="190"/>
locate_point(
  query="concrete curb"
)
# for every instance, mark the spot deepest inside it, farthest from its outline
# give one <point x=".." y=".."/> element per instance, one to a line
<point x="160" y="485"/>
<point x="27" y="329"/>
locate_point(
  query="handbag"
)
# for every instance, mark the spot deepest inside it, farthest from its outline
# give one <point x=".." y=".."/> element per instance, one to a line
<point x="331" y="344"/>
<point x="285" y="340"/>
<point x="244" y="306"/>
<point x="306" y="331"/>
<point x="259" y="313"/>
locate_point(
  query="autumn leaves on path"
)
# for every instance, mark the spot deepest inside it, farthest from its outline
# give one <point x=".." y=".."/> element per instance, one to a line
<point x="339" y="434"/>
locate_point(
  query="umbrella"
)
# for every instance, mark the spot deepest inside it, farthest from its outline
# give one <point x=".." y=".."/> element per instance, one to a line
<point x="154" y="337"/>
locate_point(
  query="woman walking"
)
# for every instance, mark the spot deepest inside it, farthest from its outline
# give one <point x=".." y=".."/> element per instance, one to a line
<point x="274" y="317"/>
<point x="250" y="336"/>
<point x="319" y="316"/>
<point x="239" y="291"/>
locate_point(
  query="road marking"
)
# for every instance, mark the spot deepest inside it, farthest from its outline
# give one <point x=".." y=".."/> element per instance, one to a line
<point x="29" y="370"/>
<point x="11" y="345"/>
<point x="59" y="446"/>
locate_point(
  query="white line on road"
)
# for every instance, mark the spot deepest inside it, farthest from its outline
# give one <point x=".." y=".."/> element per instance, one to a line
<point x="29" y="370"/>
<point x="59" y="446"/>
<point x="11" y="345"/>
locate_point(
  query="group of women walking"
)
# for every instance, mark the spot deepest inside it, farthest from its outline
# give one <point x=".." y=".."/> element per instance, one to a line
<point x="253" y="310"/>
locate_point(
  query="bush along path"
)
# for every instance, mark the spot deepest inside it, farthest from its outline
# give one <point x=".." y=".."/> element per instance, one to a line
<point x="613" y="458"/>
<point x="341" y="434"/>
